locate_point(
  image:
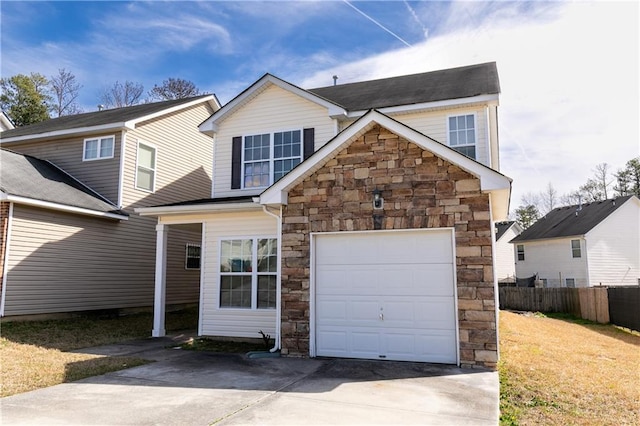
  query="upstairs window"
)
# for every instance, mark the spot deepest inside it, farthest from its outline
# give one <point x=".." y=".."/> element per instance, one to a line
<point x="575" y="248"/>
<point x="146" y="167"/>
<point x="259" y="160"/>
<point x="270" y="156"/>
<point x="462" y="134"/>
<point x="520" y="251"/>
<point x="98" y="148"/>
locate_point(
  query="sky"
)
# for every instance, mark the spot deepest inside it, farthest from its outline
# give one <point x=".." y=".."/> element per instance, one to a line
<point x="569" y="71"/>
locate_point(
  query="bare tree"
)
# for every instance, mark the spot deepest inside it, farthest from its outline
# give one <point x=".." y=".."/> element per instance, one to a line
<point x="602" y="179"/>
<point x="174" y="88"/>
<point x="548" y="199"/>
<point x="122" y="95"/>
<point x="65" y="90"/>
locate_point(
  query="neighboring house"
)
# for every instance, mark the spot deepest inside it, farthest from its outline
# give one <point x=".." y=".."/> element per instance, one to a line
<point x="505" y="263"/>
<point x="68" y="188"/>
<point x="5" y="122"/>
<point x="584" y="245"/>
<point x="354" y="220"/>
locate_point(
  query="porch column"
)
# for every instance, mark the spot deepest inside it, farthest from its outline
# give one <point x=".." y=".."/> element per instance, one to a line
<point x="161" y="281"/>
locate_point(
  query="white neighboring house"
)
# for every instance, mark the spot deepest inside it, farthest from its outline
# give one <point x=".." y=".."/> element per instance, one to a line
<point x="504" y="258"/>
<point x="583" y="245"/>
<point x="5" y="122"/>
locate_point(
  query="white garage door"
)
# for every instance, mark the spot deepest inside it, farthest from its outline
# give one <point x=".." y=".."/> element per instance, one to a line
<point x="386" y="295"/>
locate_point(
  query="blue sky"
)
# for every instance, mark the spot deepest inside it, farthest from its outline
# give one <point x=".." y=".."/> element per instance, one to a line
<point x="568" y="71"/>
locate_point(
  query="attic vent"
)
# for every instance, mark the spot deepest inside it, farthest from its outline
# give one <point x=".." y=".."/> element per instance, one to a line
<point x="335" y="80"/>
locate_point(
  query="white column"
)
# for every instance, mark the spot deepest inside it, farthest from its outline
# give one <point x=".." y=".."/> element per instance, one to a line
<point x="161" y="281"/>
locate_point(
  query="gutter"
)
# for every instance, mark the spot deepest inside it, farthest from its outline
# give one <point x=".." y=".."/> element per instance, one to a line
<point x="61" y="207"/>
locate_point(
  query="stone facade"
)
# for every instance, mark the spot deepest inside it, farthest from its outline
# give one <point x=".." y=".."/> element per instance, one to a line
<point x="420" y="190"/>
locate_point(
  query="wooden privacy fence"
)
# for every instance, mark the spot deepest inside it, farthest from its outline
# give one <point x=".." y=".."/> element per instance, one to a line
<point x="587" y="303"/>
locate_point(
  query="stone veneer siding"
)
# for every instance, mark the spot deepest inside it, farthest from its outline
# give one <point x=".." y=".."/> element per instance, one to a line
<point x="420" y="190"/>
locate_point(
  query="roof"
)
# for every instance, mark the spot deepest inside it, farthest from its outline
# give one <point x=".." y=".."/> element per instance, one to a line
<point x="491" y="181"/>
<point x="30" y="180"/>
<point x="571" y="221"/>
<point x="502" y="227"/>
<point x="204" y="205"/>
<point x="117" y="117"/>
<point x="453" y="83"/>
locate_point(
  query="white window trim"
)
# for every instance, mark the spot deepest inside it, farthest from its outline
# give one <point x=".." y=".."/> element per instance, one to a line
<point x="254" y="274"/>
<point x="573" y="250"/>
<point x="518" y="253"/>
<point x="186" y="256"/>
<point x="155" y="171"/>
<point x="271" y="153"/>
<point x="475" y="130"/>
<point x="99" y="139"/>
<point x="566" y="282"/>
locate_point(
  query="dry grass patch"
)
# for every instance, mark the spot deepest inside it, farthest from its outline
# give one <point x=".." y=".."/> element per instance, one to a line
<point x="35" y="354"/>
<point x="560" y="372"/>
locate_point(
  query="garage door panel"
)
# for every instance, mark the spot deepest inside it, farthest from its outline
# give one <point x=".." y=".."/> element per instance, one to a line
<point x="386" y="295"/>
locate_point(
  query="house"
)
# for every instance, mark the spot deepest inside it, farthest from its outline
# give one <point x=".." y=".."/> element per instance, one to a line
<point x="354" y="220"/>
<point x="505" y="264"/>
<point x="583" y="245"/>
<point x="5" y="122"/>
<point x="71" y="240"/>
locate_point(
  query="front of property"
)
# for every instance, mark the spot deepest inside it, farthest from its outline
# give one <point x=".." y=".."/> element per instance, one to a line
<point x="346" y="232"/>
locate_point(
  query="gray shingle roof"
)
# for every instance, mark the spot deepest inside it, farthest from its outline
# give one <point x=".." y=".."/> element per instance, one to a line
<point x="571" y="220"/>
<point x="501" y="228"/>
<point x="97" y="118"/>
<point x="36" y="179"/>
<point x="453" y="83"/>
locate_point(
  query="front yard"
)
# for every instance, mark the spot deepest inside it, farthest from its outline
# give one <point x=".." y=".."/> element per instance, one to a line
<point x="556" y="371"/>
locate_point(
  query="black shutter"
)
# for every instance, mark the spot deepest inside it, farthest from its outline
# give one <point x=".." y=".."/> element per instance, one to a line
<point x="308" y="142"/>
<point x="236" y="162"/>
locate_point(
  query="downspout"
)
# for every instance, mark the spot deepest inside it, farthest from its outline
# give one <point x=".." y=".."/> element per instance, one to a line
<point x="5" y="260"/>
<point x="123" y="141"/>
<point x="278" y="218"/>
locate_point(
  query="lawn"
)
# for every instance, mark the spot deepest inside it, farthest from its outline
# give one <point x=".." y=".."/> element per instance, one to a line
<point x="35" y="354"/>
<point x="562" y="371"/>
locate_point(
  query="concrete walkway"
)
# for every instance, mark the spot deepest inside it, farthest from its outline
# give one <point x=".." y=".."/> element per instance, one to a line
<point x="201" y="388"/>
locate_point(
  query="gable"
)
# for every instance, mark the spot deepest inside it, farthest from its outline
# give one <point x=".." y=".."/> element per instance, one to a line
<point x="490" y="181"/>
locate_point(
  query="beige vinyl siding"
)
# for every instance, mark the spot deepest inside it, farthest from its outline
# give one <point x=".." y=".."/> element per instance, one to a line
<point x="184" y="158"/>
<point x="61" y="262"/>
<point x="273" y="110"/>
<point x="100" y="175"/>
<point x="227" y="321"/>
<point x="434" y="125"/>
<point x="183" y="285"/>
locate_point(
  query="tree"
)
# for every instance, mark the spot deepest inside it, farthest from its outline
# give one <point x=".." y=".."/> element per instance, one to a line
<point x="549" y="199"/>
<point x="527" y="215"/>
<point x="602" y="179"/>
<point x="65" y="90"/>
<point x="122" y="95"/>
<point x="25" y="99"/>
<point x="174" y="88"/>
<point x="628" y="179"/>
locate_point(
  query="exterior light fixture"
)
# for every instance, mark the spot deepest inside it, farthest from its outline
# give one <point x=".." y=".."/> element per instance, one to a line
<point x="378" y="201"/>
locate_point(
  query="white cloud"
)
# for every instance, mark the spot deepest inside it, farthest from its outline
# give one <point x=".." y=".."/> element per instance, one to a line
<point x="569" y="80"/>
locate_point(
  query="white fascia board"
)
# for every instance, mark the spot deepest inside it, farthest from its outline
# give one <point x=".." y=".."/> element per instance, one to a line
<point x="111" y="127"/>
<point x="60" y="207"/>
<point x="210" y="125"/>
<point x="209" y="99"/>
<point x="197" y="208"/>
<point x="448" y="103"/>
<point x="6" y="121"/>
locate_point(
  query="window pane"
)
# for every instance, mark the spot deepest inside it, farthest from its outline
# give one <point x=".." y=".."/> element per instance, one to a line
<point x="91" y="149"/>
<point x="106" y="147"/>
<point x="471" y="136"/>
<point x="146" y="156"/>
<point x="267" y="255"/>
<point x="266" y="292"/>
<point x="235" y="291"/>
<point x="470" y="119"/>
<point x="145" y="179"/>
<point x="461" y="122"/>
<point x="452" y="123"/>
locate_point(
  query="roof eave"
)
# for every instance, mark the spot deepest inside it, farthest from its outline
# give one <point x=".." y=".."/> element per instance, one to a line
<point x="111" y="127"/>
<point x="197" y="208"/>
<point x="210" y="99"/>
<point x="60" y="207"/>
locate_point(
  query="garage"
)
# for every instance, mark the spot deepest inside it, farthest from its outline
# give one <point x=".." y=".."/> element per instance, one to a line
<point x="385" y="295"/>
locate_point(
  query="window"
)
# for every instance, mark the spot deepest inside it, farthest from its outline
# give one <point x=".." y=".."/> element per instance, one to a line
<point x="544" y="282"/>
<point x="146" y="170"/>
<point x="268" y="157"/>
<point x="462" y="134"/>
<point x="192" y="256"/>
<point x="241" y="284"/>
<point x="575" y="248"/>
<point x="520" y="250"/>
<point x="570" y="282"/>
<point x="98" y="148"/>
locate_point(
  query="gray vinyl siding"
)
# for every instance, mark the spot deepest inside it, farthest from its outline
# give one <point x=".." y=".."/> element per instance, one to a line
<point x="100" y="175"/>
<point x="61" y="262"/>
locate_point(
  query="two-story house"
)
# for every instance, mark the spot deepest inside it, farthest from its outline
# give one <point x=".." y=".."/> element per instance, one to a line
<point x="585" y="245"/>
<point x="68" y="189"/>
<point x="353" y="220"/>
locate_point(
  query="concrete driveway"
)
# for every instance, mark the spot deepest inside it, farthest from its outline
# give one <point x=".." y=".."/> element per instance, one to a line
<point x="201" y="388"/>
